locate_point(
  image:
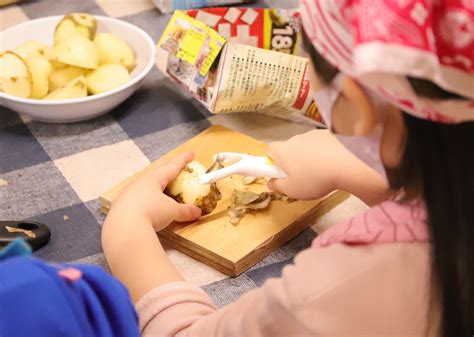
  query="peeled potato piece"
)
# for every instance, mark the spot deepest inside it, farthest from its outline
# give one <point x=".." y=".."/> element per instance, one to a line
<point x="76" y="51"/>
<point x="15" y="77"/>
<point x="185" y="188"/>
<point x="112" y="49"/>
<point x="75" y="88"/>
<point x="31" y="48"/>
<point x="106" y="77"/>
<point x="51" y="57"/>
<point x="73" y="24"/>
<point x="61" y="76"/>
<point x="40" y="70"/>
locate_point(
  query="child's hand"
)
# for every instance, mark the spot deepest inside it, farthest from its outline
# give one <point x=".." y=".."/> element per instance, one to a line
<point x="144" y="199"/>
<point x="317" y="163"/>
<point x="132" y="248"/>
<point x="310" y="160"/>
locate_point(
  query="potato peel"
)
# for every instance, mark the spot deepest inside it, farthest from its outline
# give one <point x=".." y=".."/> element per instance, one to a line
<point x="244" y="201"/>
<point x="27" y="232"/>
<point x="249" y="180"/>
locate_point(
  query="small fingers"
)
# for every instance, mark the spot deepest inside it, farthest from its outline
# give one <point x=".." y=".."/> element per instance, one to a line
<point x="186" y="213"/>
<point x="160" y="163"/>
<point x="173" y="211"/>
<point x="277" y="185"/>
<point x="171" y="168"/>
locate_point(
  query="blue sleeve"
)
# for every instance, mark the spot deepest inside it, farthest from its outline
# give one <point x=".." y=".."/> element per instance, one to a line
<point x="42" y="299"/>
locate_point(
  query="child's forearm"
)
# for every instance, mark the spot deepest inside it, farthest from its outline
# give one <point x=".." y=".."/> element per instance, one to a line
<point x="135" y="255"/>
<point x="356" y="177"/>
<point x="365" y="184"/>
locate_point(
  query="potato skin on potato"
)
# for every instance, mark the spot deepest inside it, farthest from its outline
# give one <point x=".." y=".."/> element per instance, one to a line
<point x="208" y="203"/>
<point x="75" y="24"/>
<point x="186" y="189"/>
<point x="15" y="76"/>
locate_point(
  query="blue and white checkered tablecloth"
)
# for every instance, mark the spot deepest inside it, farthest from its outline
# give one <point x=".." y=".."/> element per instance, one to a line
<point x="54" y="173"/>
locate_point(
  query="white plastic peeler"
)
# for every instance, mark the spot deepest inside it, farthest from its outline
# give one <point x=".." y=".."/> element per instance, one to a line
<point x="242" y="164"/>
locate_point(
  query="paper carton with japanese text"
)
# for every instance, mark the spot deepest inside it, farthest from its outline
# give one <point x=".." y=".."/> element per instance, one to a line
<point x="240" y="60"/>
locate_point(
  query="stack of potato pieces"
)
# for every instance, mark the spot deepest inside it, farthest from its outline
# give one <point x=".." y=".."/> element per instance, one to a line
<point x="80" y="63"/>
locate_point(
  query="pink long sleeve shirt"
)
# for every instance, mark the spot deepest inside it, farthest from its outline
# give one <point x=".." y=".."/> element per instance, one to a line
<point x="367" y="277"/>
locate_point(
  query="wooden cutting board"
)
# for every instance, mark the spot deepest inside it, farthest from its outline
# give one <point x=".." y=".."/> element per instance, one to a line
<point x="7" y="2"/>
<point x="213" y="240"/>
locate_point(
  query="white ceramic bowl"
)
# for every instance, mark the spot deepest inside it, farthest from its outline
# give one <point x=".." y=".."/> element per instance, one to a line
<point x="73" y="110"/>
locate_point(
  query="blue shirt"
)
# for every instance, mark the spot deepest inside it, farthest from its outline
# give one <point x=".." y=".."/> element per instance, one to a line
<point x="44" y="299"/>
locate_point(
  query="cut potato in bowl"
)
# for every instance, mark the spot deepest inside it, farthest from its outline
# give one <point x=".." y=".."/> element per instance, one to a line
<point x="75" y="88"/>
<point x="76" y="51"/>
<point x="31" y="48"/>
<point x="57" y="64"/>
<point x="72" y="68"/>
<point x="81" y="24"/>
<point x="106" y="77"/>
<point x="64" y="106"/>
<point x="40" y="70"/>
<point x="60" y="76"/>
<point x="112" y="49"/>
<point x="50" y="55"/>
<point x="15" y="77"/>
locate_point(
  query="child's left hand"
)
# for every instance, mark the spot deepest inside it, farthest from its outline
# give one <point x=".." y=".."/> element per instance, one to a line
<point x="144" y="200"/>
<point x="133" y="251"/>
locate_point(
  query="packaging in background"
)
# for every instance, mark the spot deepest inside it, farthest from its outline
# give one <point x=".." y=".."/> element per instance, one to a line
<point x="240" y="60"/>
<point x="168" y="6"/>
<point x="271" y="29"/>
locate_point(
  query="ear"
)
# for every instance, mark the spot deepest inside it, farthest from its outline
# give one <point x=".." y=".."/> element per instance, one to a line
<point x="364" y="112"/>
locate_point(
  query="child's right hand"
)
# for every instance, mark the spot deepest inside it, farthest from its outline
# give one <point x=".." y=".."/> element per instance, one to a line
<point x="317" y="163"/>
<point x="311" y="162"/>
